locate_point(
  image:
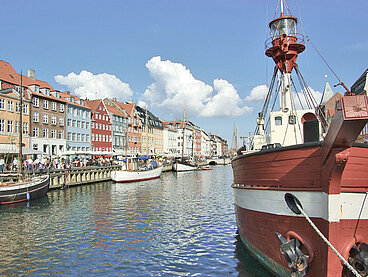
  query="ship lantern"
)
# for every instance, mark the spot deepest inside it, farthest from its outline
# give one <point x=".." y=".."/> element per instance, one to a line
<point x="285" y="43"/>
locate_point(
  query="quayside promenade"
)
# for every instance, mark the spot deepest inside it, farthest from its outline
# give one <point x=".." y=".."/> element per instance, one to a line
<point x="76" y="176"/>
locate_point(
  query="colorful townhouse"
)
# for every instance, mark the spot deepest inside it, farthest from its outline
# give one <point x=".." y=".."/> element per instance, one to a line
<point x="170" y="135"/>
<point x="101" y="134"/>
<point x="10" y="110"/>
<point x="47" y="122"/>
<point x="134" y="125"/>
<point x="152" y="132"/>
<point x="78" y="123"/>
<point x="118" y="123"/>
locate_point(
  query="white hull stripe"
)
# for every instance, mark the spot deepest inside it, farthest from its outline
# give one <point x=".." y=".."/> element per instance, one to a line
<point x="332" y="207"/>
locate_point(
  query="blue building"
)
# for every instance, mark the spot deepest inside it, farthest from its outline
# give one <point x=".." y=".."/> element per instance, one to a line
<point x="78" y="124"/>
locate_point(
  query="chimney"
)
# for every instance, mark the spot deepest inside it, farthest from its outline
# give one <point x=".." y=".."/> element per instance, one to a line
<point x="31" y="74"/>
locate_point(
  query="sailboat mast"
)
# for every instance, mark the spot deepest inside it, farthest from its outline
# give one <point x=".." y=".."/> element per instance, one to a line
<point x="146" y="132"/>
<point x="20" y="127"/>
<point x="182" y="152"/>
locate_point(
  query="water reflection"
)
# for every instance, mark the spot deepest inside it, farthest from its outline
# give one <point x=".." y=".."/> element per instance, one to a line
<point x="181" y="225"/>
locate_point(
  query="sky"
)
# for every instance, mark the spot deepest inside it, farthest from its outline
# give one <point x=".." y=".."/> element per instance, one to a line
<point x="208" y="54"/>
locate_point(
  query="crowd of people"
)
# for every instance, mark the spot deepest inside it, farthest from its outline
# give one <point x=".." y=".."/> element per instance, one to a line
<point x="41" y="164"/>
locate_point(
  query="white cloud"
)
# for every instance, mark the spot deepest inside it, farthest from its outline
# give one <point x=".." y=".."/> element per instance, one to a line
<point x="174" y="83"/>
<point x="87" y="84"/>
<point x="257" y="94"/>
<point x="225" y="102"/>
<point x="301" y="102"/>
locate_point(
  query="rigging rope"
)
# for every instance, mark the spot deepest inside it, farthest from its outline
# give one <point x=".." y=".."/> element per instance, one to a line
<point x="327" y="242"/>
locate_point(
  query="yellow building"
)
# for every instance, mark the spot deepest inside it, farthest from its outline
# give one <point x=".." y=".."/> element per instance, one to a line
<point x="9" y="120"/>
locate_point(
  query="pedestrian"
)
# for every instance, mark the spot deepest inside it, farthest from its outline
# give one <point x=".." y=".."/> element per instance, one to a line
<point x="2" y="163"/>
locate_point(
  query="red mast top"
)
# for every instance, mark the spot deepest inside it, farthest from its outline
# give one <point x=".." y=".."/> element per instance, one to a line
<point x="285" y="43"/>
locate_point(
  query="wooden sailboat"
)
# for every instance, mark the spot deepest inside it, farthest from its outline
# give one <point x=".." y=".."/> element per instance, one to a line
<point x="183" y="164"/>
<point x="24" y="188"/>
<point x="133" y="170"/>
<point x="285" y="178"/>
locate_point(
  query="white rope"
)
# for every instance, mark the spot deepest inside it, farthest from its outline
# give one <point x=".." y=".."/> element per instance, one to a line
<point x="327" y="242"/>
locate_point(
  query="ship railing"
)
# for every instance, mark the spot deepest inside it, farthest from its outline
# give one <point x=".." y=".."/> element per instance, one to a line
<point x="299" y="39"/>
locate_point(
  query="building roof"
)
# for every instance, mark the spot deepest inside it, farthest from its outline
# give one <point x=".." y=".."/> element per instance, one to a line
<point x="93" y="104"/>
<point x="114" y="110"/>
<point x="66" y="95"/>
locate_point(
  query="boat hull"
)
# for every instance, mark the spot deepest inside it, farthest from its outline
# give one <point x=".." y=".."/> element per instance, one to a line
<point x="178" y="166"/>
<point x="14" y="193"/>
<point x="332" y="195"/>
<point x="123" y="176"/>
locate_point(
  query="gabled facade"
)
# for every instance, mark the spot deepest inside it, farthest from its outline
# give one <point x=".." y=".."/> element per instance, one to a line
<point x="152" y="132"/>
<point x="101" y="135"/>
<point x="78" y="123"/>
<point x="47" y="120"/>
<point x="118" y="120"/>
<point x="10" y="118"/>
<point x="134" y="125"/>
<point x="170" y="135"/>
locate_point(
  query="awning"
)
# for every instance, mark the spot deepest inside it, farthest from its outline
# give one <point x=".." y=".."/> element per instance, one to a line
<point x="13" y="149"/>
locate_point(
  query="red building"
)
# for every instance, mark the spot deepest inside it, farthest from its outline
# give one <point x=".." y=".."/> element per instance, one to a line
<point x="101" y="139"/>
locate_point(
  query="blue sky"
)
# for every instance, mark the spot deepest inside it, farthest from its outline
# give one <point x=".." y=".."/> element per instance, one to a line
<point x="208" y="52"/>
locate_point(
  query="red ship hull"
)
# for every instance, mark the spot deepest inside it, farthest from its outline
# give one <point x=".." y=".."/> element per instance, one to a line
<point x="332" y="192"/>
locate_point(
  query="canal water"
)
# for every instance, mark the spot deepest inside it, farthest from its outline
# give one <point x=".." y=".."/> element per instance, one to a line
<point x="182" y="224"/>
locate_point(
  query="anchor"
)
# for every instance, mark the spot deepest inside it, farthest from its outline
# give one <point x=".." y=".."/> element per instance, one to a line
<point x="297" y="260"/>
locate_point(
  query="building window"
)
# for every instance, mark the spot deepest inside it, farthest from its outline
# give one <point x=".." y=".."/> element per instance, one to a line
<point x="74" y="137"/>
<point x="10" y="106"/>
<point x="278" y="120"/>
<point x="78" y="124"/>
<point x="35" y="117"/>
<point x="35" y="146"/>
<point x="87" y="138"/>
<point x="69" y="122"/>
<point x="61" y="134"/>
<point x="25" y="108"/>
<point x="87" y="125"/>
<point x="74" y="123"/>
<point x="35" y="132"/>
<point x="78" y="137"/>
<point x="10" y="126"/>
<point x="292" y="119"/>
<point x="25" y="128"/>
<point x="61" y="108"/>
<point x="61" y="121"/>
<point x="83" y="137"/>
<point x="45" y="118"/>
<point x="69" y="136"/>
<point x="53" y="106"/>
<point x="45" y="104"/>
<point x="2" y="104"/>
<point x="36" y="102"/>
<point x="53" y="120"/>
<point x="17" y="127"/>
<point x="17" y="107"/>
<point x="53" y="134"/>
<point x="45" y="133"/>
<point x="70" y="110"/>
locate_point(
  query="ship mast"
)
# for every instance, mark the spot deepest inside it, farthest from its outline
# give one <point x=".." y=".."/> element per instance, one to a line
<point x="182" y="152"/>
<point x="283" y="46"/>
<point x="20" y="169"/>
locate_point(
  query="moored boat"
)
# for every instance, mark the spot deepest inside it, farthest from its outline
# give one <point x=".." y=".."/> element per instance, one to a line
<point x="26" y="190"/>
<point x="132" y="171"/>
<point x="180" y="165"/>
<point x="19" y="187"/>
<point x="308" y="167"/>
